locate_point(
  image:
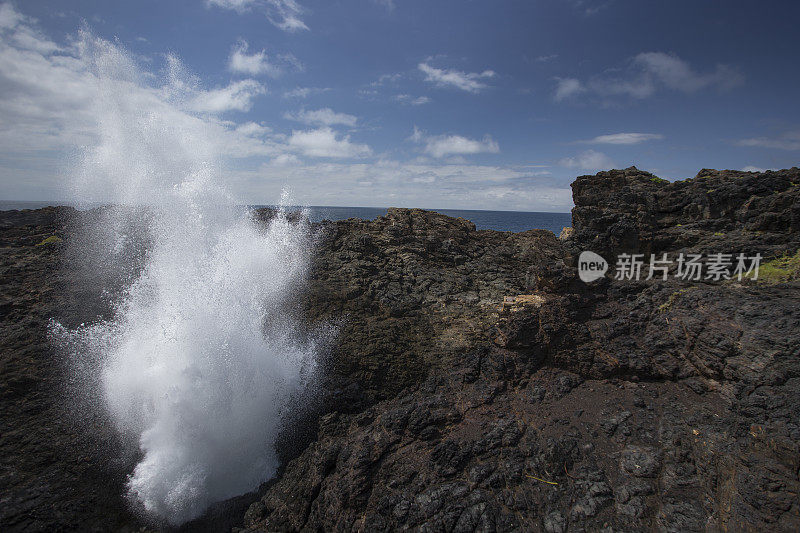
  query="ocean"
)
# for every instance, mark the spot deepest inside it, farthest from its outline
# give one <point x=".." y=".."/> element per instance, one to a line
<point x="515" y="221"/>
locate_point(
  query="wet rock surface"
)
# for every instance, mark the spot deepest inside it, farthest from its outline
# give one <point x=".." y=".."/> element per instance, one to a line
<point x="617" y="405"/>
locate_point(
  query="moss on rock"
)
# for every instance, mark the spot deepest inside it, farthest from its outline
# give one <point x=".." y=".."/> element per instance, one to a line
<point x="52" y="239"/>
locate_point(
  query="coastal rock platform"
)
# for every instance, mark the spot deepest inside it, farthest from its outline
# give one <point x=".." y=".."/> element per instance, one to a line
<point x="475" y="383"/>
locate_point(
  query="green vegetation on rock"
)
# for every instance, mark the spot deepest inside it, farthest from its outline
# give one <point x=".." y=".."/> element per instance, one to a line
<point x="780" y="270"/>
<point x="671" y="300"/>
<point x="52" y="239"/>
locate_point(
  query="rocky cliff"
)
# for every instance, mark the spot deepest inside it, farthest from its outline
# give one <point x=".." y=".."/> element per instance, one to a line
<point x="618" y="405"/>
<point x="621" y="405"/>
<point x="717" y="211"/>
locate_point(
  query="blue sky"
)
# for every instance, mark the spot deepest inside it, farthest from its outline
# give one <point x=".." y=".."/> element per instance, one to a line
<point x="436" y="104"/>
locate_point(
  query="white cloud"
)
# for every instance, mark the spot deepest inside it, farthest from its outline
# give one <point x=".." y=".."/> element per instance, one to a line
<point x="373" y="91"/>
<point x="253" y="129"/>
<point x="237" y="5"/>
<point x="304" y="92"/>
<point x="46" y="97"/>
<point x="55" y="104"/>
<point x="453" y="145"/>
<point x="567" y="87"/>
<point x="624" y="138"/>
<point x="387" y="79"/>
<point x="410" y="100"/>
<point x="238" y="96"/>
<point x="9" y="17"/>
<point x="322" y="142"/>
<point x="56" y="98"/>
<point x="788" y="141"/>
<point x="751" y="168"/>
<point x="466" y="81"/>
<point x="676" y="74"/>
<point x="648" y="73"/>
<point x="253" y="64"/>
<point x="20" y="30"/>
<point x="285" y="14"/>
<point x="285" y="160"/>
<point x="458" y="145"/>
<point x="588" y="160"/>
<point x="299" y="92"/>
<point x="417" y="135"/>
<point x="322" y="117"/>
<point x="546" y="58"/>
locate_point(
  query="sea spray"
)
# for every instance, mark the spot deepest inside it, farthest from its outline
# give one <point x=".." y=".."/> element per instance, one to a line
<point x="200" y="359"/>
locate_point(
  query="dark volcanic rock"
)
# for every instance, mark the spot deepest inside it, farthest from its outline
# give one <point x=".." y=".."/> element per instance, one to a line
<point x="718" y="211"/>
<point x="414" y="290"/>
<point x="617" y="405"/>
<point x="646" y="405"/>
<point x="53" y="476"/>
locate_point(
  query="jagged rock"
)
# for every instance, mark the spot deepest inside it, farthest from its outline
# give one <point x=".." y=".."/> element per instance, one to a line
<point x="413" y="290"/>
<point x="633" y="211"/>
<point x="633" y="385"/>
<point x="619" y="405"/>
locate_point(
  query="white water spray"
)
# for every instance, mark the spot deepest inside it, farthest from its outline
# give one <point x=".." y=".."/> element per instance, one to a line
<point x="199" y="360"/>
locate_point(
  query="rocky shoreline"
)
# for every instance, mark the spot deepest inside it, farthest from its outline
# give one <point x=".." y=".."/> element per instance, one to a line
<point x="620" y="405"/>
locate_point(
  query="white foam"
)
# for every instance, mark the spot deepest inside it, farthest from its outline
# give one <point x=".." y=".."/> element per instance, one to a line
<point x="200" y="359"/>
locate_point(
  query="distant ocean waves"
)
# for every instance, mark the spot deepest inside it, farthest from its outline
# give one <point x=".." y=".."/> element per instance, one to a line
<point x="515" y="221"/>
